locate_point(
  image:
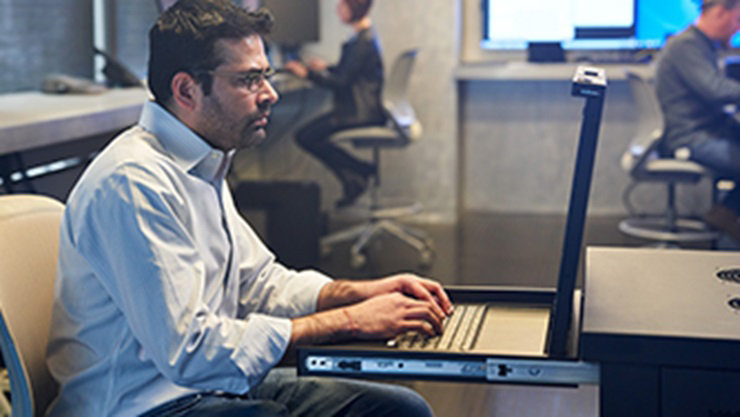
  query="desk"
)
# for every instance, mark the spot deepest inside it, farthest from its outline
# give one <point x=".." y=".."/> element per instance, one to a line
<point x="48" y="128"/>
<point x="33" y="119"/>
<point x="662" y="325"/>
<point x="527" y="71"/>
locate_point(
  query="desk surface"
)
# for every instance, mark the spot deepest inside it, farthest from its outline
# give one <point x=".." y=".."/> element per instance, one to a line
<point x="527" y="71"/>
<point x="664" y="306"/>
<point x="34" y="119"/>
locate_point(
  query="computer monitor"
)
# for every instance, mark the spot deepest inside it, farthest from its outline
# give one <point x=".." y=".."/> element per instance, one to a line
<point x="586" y="24"/>
<point x="163" y="5"/>
<point x="296" y="22"/>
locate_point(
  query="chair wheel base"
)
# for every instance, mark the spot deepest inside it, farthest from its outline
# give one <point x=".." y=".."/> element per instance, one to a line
<point x="363" y="234"/>
<point x="357" y="260"/>
<point x="425" y="258"/>
<point x="683" y="230"/>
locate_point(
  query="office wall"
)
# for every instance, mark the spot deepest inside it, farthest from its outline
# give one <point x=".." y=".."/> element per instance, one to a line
<point x="132" y="20"/>
<point x="515" y="138"/>
<point x="38" y="37"/>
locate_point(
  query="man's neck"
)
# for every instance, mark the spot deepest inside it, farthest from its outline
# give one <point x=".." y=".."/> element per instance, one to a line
<point x="706" y="28"/>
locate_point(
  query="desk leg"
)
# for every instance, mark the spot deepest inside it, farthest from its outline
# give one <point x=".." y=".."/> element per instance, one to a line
<point x="629" y="390"/>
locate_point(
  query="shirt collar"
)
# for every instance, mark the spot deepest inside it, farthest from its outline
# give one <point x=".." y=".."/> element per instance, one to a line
<point x="187" y="149"/>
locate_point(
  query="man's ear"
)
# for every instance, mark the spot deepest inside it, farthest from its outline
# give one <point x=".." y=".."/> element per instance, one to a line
<point x="186" y="92"/>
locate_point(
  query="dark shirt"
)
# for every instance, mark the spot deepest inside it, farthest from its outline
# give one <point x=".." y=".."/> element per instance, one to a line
<point x="692" y="90"/>
<point x="356" y="80"/>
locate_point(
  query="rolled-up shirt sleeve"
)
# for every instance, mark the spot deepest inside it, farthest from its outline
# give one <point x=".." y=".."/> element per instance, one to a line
<point x="268" y="287"/>
<point x="158" y="279"/>
<point x="282" y="292"/>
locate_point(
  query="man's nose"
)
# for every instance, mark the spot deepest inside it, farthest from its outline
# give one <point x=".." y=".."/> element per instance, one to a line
<point x="268" y="95"/>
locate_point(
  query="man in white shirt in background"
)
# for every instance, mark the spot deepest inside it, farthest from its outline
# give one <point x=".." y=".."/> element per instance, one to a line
<point x="167" y="303"/>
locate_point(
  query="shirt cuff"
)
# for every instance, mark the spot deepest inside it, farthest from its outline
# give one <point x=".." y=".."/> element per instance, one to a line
<point x="309" y="286"/>
<point x="265" y="341"/>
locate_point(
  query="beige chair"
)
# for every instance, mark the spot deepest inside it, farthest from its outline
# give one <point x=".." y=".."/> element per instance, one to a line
<point x="29" y="238"/>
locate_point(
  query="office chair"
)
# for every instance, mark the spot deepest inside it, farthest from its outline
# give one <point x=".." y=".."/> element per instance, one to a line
<point x="402" y="129"/>
<point x="28" y="255"/>
<point x="645" y="164"/>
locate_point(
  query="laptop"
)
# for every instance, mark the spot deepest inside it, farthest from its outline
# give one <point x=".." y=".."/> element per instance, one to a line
<point x="497" y="334"/>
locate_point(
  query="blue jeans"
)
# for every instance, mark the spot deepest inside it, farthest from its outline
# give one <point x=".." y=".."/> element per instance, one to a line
<point x="722" y="156"/>
<point x="282" y="393"/>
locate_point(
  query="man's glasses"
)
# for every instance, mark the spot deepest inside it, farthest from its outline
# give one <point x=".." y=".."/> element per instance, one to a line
<point x="251" y="80"/>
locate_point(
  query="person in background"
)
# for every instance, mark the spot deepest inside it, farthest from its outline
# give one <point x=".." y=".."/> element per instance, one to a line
<point x="694" y="94"/>
<point x="166" y="301"/>
<point x="356" y="83"/>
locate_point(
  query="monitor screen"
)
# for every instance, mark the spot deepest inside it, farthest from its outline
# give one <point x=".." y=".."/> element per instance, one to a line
<point x="586" y="24"/>
<point x="163" y="5"/>
<point x="296" y="21"/>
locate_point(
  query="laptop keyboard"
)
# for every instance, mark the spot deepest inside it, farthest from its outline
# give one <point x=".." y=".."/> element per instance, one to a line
<point x="459" y="331"/>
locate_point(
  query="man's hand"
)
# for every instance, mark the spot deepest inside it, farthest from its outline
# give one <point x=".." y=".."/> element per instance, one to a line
<point x="388" y="315"/>
<point x="343" y="292"/>
<point x="317" y="64"/>
<point x="297" y="68"/>
<point x="374" y="309"/>
<point x="411" y="285"/>
<point x="380" y="317"/>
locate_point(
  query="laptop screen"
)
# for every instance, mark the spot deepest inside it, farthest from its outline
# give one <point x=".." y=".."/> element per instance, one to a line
<point x="562" y="313"/>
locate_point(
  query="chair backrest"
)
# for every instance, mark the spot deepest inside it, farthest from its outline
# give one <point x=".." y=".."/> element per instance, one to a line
<point x="650" y="125"/>
<point x="29" y="239"/>
<point x="395" y="96"/>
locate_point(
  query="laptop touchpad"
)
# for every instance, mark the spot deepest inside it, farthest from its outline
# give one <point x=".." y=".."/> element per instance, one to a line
<point x="513" y="330"/>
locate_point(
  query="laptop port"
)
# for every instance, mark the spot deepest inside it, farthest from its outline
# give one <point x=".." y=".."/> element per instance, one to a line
<point x="355" y="365"/>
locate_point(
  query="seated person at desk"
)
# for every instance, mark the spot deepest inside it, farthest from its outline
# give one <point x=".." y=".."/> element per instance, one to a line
<point x="693" y="93"/>
<point x="166" y="301"/>
<point x="356" y="83"/>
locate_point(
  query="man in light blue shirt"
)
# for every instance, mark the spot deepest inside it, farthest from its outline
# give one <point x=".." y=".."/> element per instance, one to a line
<point x="167" y="303"/>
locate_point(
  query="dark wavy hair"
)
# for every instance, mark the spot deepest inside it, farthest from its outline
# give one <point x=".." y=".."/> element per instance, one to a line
<point x="184" y="38"/>
<point x="727" y="4"/>
<point x="358" y="8"/>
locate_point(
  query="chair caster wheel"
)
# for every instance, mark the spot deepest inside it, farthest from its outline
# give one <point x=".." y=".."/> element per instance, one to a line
<point x="357" y="260"/>
<point x="425" y="258"/>
<point x="429" y="243"/>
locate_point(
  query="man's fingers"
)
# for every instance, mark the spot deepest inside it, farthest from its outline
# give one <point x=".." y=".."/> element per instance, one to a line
<point x="420" y="326"/>
<point x="439" y="293"/>
<point x="426" y="313"/>
<point x="432" y="291"/>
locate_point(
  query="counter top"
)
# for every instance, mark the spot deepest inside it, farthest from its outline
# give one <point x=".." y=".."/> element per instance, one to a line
<point x="527" y="71"/>
<point x="35" y="119"/>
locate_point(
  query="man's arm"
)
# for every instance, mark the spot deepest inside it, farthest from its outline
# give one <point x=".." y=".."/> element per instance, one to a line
<point x="703" y="76"/>
<point x="344" y="292"/>
<point x="380" y="317"/>
<point x="375" y="309"/>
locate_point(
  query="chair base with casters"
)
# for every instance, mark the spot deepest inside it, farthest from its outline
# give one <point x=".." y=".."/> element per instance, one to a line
<point x="381" y="220"/>
<point x="668" y="228"/>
